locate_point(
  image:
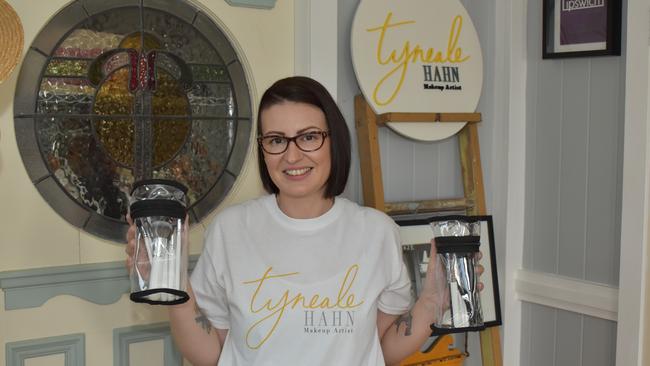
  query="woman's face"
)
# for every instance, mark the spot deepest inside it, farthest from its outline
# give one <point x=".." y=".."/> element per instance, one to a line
<point x="296" y="173"/>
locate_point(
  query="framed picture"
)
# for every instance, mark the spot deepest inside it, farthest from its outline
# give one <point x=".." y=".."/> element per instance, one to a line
<point x="576" y="28"/>
<point x="416" y="235"/>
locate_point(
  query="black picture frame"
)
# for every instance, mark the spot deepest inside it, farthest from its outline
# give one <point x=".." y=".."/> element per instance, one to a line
<point x="581" y="28"/>
<point x="416" y="234"/>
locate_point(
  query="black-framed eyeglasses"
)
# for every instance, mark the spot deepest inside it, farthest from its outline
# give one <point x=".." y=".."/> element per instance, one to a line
<point x="307" y="142"/>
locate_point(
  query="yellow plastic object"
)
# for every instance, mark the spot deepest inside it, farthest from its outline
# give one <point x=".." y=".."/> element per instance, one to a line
<point x="439" y="354"/>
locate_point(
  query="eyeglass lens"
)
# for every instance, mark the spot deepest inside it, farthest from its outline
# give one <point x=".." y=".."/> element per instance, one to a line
<point x="309" y="141"/>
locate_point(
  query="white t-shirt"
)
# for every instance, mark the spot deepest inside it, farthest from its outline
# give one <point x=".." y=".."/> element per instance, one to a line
<point x="301" y="291"/>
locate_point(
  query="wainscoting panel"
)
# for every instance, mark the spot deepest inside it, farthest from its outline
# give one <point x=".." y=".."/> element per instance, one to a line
<point x="123" y="338"/>
<point x="71" y="346"/>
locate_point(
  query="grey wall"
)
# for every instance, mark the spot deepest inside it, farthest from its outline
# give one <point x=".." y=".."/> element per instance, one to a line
<point x="573" y="195"/>
<point x="415" y="170"/>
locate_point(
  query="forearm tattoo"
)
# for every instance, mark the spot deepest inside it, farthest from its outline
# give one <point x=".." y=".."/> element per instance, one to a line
<point x="202" y="320"/>
<point x="405" y="318"/>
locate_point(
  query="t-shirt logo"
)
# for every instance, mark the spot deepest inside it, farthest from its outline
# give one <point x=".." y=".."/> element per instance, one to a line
<point x="320" y="310"/>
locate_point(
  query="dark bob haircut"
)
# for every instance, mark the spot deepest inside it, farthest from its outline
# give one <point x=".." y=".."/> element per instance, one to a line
<point x="300" y="89"/>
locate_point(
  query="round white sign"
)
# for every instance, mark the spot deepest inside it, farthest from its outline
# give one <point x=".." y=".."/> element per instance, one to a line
<point x="417" y="56"/>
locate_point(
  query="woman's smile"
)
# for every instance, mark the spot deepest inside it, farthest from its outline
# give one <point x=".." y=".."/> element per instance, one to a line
<point x="297" y="172"/>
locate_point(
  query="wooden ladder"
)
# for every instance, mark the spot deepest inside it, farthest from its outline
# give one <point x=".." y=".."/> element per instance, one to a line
<point x="473" y="201"/>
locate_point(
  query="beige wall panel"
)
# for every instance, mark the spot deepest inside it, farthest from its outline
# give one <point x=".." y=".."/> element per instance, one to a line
<point x="33" y="235"/>
<point x="196" y="239"/>
<point x="147" y="353"/>
<point x="53" y="360"/>
<point x="99" y="347"/>
<point x="93" y="249"/>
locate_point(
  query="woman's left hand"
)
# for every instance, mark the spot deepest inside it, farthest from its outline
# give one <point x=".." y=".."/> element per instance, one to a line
<point x="434" y="297"/>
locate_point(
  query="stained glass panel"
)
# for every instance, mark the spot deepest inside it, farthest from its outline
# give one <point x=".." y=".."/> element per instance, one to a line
<point x="212" y="100"/>
<point x="67" y="67"/>
<point x="214" y="73"/>
<point x="81" y="168"/>
<point x="112" y="25"/>
<point x="135" y="92"/>
<point x="65" y="95"/>
<point x="180" y="37"/>
<point x="203" y="158"/>
<point x="86" y="43"/>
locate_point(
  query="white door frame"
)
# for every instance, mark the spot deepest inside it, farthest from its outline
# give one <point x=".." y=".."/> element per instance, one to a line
<point x="512" y="57"/>
<point x="636" y="185"/>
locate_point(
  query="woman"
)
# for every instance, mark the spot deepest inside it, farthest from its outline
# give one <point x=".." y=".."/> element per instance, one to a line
<point x="301" y="276"/>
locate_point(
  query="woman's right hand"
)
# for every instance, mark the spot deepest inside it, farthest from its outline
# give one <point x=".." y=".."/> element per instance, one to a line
<point x="130" y="243"/>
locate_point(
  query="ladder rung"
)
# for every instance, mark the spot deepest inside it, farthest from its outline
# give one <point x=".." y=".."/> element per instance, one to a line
<point x="427" y="117"/>
<point x="440" y="205"/>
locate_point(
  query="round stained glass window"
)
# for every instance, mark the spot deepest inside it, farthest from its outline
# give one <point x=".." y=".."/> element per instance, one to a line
<point x="113" y="92"/>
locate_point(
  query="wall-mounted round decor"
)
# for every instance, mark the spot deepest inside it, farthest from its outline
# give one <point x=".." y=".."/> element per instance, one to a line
<point x="417" y="56"/>
<point x="11" y="40"/>
<point x="113" y="92"/>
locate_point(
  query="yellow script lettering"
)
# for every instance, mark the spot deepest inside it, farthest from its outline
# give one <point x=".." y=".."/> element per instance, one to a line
<point x="273" y="310"/>
<point x="453" y="54"/>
